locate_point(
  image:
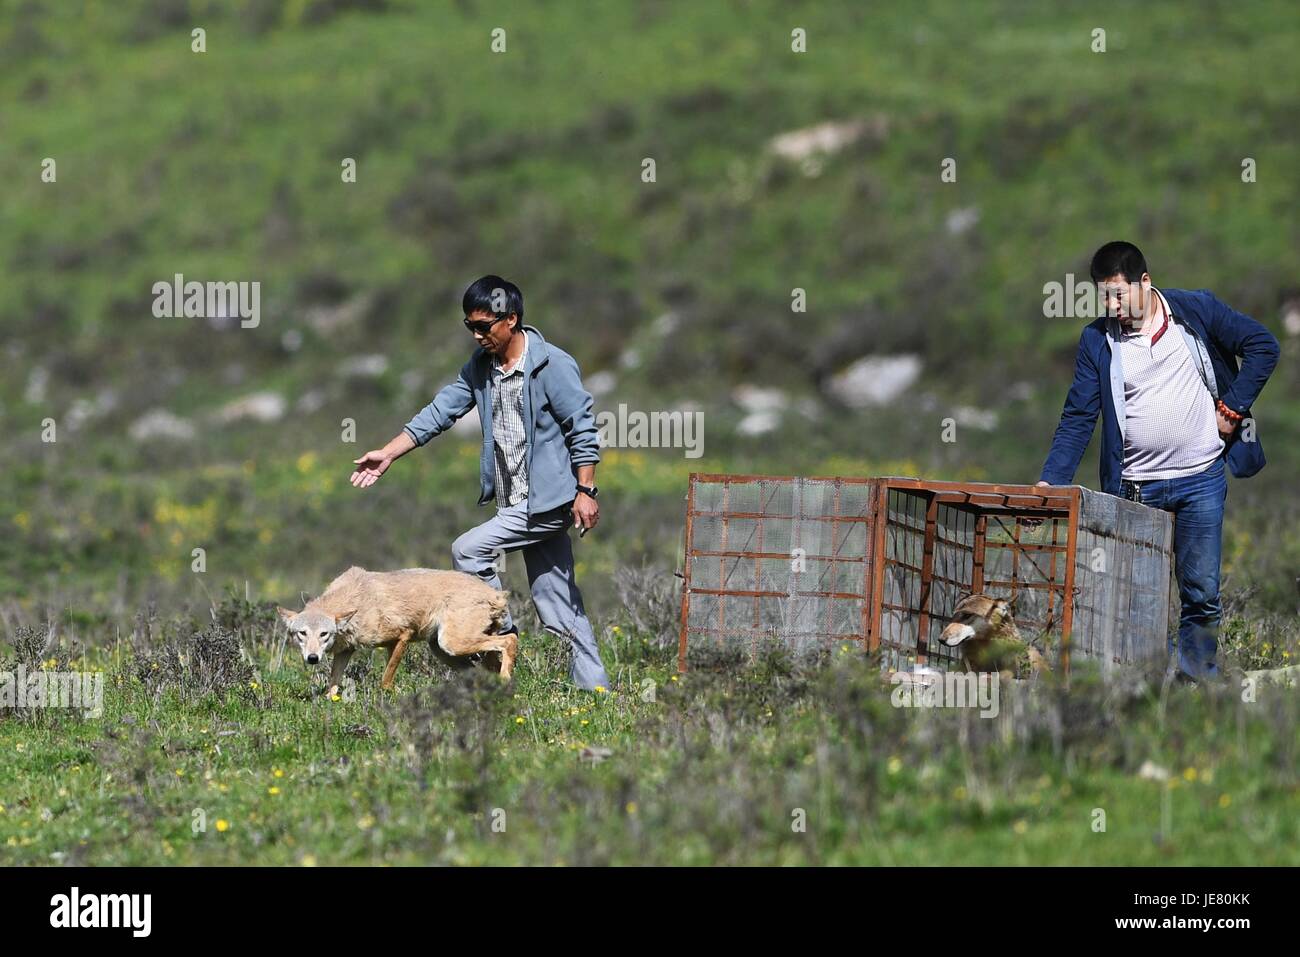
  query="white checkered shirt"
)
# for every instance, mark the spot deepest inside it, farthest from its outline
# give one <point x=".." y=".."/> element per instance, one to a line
<point x="508" y="434"/>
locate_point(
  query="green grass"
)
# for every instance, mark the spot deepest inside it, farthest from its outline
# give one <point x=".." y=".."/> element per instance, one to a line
<point x="718" y="766"/>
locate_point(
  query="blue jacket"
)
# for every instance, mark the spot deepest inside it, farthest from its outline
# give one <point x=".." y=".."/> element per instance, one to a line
<point x="558" y="421"/>
<point x="1214" y="333"/>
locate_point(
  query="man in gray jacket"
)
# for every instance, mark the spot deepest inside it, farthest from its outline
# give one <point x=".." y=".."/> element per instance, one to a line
<point x="537" y="462"/>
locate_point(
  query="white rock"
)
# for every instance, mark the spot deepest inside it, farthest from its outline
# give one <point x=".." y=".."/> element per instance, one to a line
<point x="601" y="383"/>
<point x="259" y="407"/>
<point x="759" y="423"/>
<point x="753" y="398"/>
<point x="1150" y="771"/>
<point x="666" y="324"/>
<point x="875" y="380"/>
<point x="960" y="220"/>
<point x="986" y="420"/>
<point x="161" y="424"/>
<point x="820" y="140"/>
<point x="364" y="367"/>
<point x="1291" y="317"/>
<point x="79" y="412"/>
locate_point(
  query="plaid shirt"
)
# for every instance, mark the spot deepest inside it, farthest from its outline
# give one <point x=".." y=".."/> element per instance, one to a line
<point x="563" y="433"/>
<point x="508" y="431"/>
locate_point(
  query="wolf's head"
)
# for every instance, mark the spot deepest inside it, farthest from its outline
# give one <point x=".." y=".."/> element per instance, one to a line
<point x="315" y="631"/>
<point x="977" y="617"/>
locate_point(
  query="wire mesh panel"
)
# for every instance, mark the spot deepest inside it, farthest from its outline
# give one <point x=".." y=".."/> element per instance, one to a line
<point x="900" y="601"/>
<point x="952" y="576"/>
<point x="1025" y="562"/>
<point x="944" y="541"/>
<point x="775" y="557"/>
<point x="1124" y="565"/>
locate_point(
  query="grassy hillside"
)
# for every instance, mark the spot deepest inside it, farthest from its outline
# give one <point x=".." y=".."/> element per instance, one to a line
<point x="177" y="434"/>
<point x="226" y="165"/>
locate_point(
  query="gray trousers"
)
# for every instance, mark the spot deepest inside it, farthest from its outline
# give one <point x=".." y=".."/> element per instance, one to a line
<point x="548" y="558"/>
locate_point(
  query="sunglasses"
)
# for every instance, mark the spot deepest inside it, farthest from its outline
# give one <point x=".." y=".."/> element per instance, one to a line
<point x="483" y="326"/>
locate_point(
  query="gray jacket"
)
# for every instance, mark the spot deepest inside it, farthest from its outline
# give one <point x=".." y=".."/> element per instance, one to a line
<point x="560" y="426"/>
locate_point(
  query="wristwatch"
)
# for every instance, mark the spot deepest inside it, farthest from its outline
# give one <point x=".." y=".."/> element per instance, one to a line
<point x="588" y="490"/>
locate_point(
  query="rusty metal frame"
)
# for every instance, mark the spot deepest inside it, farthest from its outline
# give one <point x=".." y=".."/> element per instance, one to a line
<point x="981" y="499"/>
<point x="686" y="573"/>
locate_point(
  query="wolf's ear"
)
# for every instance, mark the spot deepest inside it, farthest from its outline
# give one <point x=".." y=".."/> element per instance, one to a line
<point x="344" y="621"/>
<point x="286" y="614"/>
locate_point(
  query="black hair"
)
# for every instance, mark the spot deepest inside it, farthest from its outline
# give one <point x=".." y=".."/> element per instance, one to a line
<point x="495" y="296"/>
<point x="1118" y="257"/>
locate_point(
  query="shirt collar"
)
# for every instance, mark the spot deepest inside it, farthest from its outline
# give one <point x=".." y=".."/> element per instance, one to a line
<point x="518" y="366"/>
<point x="1164" y="325"/>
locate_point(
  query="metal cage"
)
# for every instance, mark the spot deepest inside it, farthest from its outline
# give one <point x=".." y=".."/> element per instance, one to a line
<point x="884" y="561"/>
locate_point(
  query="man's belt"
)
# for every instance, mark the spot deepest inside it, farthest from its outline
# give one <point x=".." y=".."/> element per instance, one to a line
<point x="1130" y="490"/>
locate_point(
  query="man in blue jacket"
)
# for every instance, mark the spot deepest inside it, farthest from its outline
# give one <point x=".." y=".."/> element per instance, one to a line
<point x="1160" y="366"/>
<point x="537" y="462"/>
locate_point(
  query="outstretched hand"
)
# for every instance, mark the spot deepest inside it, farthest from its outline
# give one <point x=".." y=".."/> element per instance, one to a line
<point x="369" y="467"/>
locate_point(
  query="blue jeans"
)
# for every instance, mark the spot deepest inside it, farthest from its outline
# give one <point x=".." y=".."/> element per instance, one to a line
<point x="1196" y="502"/>
<point x="548" y="558"/>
